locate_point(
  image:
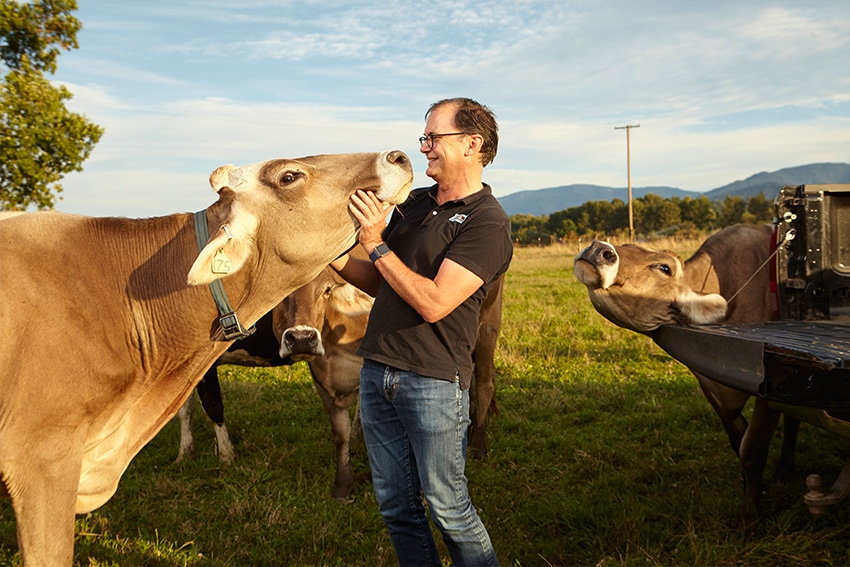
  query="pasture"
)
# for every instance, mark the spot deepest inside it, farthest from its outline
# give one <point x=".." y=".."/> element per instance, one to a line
<point x="604" y="453"/>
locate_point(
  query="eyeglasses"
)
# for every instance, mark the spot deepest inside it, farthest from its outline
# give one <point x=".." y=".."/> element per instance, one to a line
<point x="429" y="139"/>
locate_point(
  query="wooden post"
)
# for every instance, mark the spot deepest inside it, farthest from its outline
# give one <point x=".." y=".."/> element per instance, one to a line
<point x="628" y="128"/>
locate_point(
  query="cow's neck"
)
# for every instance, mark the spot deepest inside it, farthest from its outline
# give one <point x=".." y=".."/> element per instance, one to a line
<point x="176" y="327"/>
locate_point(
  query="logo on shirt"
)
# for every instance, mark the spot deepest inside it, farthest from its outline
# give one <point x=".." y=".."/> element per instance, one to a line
<point x="458" y="218"/>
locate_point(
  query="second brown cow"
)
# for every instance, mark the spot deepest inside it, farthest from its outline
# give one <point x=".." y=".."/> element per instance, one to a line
<point x="322" y="323"/>
<point x="726" y="280"/>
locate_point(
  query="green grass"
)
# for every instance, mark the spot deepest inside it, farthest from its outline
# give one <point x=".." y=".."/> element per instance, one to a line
<point x="604" y="453"/>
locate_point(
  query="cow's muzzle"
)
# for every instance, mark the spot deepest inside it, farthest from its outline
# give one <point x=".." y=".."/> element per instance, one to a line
<point x="599" y="254"/>
<point x="301" y="342"/>
<point x="597" y="265"/>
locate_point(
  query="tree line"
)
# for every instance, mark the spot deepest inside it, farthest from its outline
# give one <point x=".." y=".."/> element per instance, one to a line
<point x="653" y="215"/>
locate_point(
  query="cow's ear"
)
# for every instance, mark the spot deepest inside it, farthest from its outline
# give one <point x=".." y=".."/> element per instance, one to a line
<point x="701" y="308"/>
<point x="350" y="301"/>
<point x="220" y="178"/>
<point x="227" y="251"/>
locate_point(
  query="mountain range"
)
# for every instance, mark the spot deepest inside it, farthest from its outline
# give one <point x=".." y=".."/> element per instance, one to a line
<point x="549" y="200"/>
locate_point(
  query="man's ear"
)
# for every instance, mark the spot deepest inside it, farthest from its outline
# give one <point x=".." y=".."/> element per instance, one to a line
<point x="476" y="142"/>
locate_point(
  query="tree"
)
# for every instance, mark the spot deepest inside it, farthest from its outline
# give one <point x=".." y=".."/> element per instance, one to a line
<point x="654" y="213"/>
<point x="528" y="228"/>
<point x="699" y="212"/>
<point x="40" y="140"/>
<point x="599" y="216"/>
<point x="618" y="220"/>
<point x="760" y="209"/>
<point x="36" y="32"/>
<point x="731" y="210"/>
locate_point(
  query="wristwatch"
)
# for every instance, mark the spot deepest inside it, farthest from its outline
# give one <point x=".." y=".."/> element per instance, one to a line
<point x="380" y="251"/>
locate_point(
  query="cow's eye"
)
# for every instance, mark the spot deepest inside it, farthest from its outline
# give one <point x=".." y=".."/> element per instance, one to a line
<point x="664" y="269"/>
<point x="290" y="177"/>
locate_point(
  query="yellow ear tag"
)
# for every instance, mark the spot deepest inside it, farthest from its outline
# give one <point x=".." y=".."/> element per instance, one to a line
<point x="220" y="263"/>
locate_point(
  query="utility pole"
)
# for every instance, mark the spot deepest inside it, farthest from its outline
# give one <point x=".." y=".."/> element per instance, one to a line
<point x="628" y="128"/>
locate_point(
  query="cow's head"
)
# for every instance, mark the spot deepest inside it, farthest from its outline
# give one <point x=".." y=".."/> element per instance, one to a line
<point x="294" y="209"/>
<point x="641" y="289"/>
<point x="327" y="300"/>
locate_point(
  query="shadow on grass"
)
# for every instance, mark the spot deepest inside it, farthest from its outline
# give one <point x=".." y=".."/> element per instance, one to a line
<point x="587" y="466"/>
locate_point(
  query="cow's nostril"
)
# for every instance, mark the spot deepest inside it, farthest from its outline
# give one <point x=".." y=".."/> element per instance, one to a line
<point x="609" y="256"/>
<point x="397" y="157"/>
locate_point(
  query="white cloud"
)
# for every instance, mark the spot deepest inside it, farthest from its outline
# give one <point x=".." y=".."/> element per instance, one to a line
<point x="721" y="89"/>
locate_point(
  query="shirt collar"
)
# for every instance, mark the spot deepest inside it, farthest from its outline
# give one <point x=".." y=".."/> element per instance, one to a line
<point x="485" y="191"/>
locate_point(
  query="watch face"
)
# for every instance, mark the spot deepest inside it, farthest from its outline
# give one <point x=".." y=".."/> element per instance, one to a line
<point x="379" y="251"/>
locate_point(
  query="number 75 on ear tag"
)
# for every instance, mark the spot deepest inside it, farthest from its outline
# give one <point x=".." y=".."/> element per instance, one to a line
<point x="220" y="263"/>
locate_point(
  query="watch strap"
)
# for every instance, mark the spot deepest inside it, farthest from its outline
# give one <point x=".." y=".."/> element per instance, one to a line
<point x="379" y="251"/>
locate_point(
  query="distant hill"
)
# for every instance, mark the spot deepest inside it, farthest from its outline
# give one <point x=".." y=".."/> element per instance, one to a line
<point x="771" y="183"/>
<point x="547" y="201"/>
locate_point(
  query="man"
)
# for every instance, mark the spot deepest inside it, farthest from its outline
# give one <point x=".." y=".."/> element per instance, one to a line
<point x="431" y="268"/>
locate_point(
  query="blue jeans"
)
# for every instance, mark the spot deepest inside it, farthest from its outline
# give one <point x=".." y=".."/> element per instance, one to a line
<point x="415" y="431"/>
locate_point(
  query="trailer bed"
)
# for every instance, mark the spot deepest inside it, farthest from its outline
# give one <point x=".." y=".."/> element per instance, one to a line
<point x="804" y="363"/>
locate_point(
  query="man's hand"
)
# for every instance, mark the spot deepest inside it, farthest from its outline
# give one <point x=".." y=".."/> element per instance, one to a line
<point x="432" y="299"/>
<point x="371" y="213"/>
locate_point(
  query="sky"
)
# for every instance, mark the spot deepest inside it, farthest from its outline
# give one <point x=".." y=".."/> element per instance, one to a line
<point x="720" y="89"/>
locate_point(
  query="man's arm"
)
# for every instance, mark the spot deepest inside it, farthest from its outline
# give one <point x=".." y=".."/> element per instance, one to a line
<point x="359" y="273"/>
<point x="432" y="299"/>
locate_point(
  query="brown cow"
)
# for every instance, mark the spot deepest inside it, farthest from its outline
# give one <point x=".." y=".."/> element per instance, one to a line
<point x="341" y="312"/>
<point x="328" y="339"/>
<point x="107" y="324"/>
<point x="322" y="323"/>
<point x="260" y="349"/>
<point x="338" y="382"/>
<point x="641" y="289"/>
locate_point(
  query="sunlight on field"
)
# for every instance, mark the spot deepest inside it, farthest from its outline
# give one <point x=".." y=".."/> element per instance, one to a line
<point x="604" y="452"/>
<point x="548" y="318"/>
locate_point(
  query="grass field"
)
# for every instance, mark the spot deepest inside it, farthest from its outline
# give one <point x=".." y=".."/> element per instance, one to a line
<point x="604" y="453"/>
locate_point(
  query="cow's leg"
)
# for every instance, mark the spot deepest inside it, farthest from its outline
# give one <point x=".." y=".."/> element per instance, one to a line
<point x="786" y="464"/>
<point x="338" y="413"/>
<point x="187" y="441"/>
<point x="482" y="401"/>
<point x="728" y="403"/>
<point x="754" y="449"/>
<point x="209" y="390"/>
<point x="356" y="428"/>
<point x="224" y="446"/>
<point x="482" y="395"/>
<point x="44" y="496"/>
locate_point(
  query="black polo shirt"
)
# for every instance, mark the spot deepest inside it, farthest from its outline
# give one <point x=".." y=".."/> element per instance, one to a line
<point x="475" y="232"/>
